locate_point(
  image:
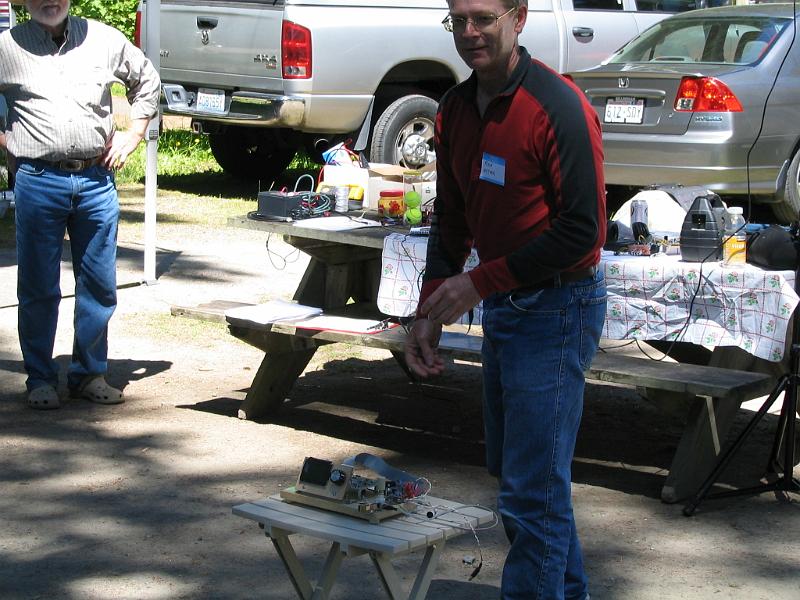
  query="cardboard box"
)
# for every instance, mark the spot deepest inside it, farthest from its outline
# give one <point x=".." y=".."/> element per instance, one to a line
<point x="377" y="177"/>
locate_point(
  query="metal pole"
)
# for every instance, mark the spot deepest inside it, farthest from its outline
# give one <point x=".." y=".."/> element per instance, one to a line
<point x="152" y="48"/>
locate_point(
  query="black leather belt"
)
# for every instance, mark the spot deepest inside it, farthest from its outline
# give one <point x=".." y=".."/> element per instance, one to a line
<point x="560" y="279"/>
<point x="70" y="165"/>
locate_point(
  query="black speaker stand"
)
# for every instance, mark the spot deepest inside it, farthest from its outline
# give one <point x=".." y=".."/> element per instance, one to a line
<point x="785" y="436"/>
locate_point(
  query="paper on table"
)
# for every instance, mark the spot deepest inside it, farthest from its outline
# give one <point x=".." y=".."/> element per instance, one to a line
<point x="344" y="324"/>
<point x="336" y="223"/>
<point x="272" y="311"/>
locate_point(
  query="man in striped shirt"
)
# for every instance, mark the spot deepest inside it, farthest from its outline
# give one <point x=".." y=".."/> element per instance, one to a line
<point x="56" y="72"/>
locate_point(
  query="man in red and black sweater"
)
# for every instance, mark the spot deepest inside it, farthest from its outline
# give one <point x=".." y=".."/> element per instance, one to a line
<point x="520" y="178"/>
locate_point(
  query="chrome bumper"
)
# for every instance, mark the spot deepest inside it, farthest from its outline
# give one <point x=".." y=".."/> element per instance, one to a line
<point x="241" y="108"/>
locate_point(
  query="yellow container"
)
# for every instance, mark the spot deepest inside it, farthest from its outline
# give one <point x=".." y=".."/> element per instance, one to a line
<point x="391" y="204"/>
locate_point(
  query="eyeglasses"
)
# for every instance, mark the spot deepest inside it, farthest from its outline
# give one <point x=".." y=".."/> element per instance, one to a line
<point x="480" y="23"/>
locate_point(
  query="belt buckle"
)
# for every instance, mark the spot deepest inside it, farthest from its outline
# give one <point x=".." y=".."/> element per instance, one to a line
<point x="72" y="165"/>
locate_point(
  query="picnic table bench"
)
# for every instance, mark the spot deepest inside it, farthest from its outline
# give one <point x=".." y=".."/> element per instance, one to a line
<point x="715" y="392"/>
<point x="342" y="278"/>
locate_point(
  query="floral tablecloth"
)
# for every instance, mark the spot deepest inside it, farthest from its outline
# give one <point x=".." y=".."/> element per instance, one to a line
<point x="652" y="298"/>
<point x="649" y="298"/>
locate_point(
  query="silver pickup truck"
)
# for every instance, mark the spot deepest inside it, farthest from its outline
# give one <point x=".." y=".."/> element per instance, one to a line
<point x="265" y="78"/>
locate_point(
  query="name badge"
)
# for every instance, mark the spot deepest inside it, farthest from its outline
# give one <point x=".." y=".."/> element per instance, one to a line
<point x="493" y="169"/>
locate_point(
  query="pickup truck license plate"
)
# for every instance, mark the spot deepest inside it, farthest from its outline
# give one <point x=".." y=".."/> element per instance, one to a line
<point x="210" y="100"/>
<point x="624" y="110"/>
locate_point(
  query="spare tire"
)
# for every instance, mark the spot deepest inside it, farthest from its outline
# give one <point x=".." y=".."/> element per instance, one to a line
<point x="403" y="134"/>
<point x="248" y="153"/>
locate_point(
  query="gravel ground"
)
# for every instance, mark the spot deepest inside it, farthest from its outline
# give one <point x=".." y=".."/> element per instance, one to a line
<point x="134" y="501"/>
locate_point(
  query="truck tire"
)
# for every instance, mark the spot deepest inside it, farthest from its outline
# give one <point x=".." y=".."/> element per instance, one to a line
<point x="788" y="208"/>
<point x="250" y="154"/>
<point x="403" y="134"/>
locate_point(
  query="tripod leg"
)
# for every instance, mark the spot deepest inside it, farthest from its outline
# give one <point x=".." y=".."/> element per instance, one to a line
<point x="790" y="412"/>
<point x="775" y="464"/>
<point x="726" y="457"/>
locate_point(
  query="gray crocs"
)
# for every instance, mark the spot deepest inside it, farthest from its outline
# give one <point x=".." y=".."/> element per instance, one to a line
<point x="44" y="397"/>
<point x="95" y="389"/>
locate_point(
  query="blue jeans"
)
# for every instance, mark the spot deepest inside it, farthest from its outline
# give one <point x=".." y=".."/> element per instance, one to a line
<point x="535" y="349"/>
<point x="48" y="203"/>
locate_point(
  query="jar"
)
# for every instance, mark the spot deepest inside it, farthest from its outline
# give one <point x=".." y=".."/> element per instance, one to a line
<point x="412" y="196"/>
<point x="390" y="203"/>
<point x="734" y="250"/>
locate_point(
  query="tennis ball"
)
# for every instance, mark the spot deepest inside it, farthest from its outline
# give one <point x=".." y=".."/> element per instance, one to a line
<point x="413" y="199"/>
<point x="413" y="216"/>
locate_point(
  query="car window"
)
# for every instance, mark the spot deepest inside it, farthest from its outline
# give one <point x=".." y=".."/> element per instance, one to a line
<point x="730" y="40"/>
<point x="673" y="6"/>
<point x="597" y="4"/>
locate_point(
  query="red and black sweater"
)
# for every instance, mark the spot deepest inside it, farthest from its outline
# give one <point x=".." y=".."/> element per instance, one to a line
<point x="548" y="216"/>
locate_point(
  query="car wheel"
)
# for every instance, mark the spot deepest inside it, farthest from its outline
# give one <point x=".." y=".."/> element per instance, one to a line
<point x="403" y="134"/>
<point x="250" y="154"/>
<point x="788" y="208"/>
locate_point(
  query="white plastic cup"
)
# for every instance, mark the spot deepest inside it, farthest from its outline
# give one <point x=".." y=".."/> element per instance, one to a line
<point x="342" y="194"/>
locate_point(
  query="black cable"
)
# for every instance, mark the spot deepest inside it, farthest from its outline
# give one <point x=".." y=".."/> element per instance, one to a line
<point x="688" y="320"/>
<point x="292" y="257"/>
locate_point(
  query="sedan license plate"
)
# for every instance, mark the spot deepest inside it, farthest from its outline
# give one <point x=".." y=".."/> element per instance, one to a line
<point x="624" y="110"/>
<point x="211" y="101"/>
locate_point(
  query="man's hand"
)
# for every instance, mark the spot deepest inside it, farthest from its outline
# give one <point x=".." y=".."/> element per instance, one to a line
<point x="421" y="348"/>
<point x="118" y="148"/>
<point x="122" y="143"/>
<point x="450" y="300"/>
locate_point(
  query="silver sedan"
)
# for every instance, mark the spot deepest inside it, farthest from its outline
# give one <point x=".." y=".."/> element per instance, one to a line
<point x="708" y="97"/>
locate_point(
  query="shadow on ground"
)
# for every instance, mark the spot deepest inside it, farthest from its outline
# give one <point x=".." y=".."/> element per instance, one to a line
<point x="99" y="501"/>
<point x="625" y="443"/>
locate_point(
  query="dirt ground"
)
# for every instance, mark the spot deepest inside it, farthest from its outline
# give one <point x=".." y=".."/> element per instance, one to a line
<point x="134" y="501"/>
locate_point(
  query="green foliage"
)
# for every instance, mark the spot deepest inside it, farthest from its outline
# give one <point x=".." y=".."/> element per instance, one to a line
<point x="117" y="13"/>
<point x="180" y="152"/>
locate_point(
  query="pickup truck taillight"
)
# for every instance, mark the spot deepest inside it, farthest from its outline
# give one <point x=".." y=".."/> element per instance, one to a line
<point x="705" y="94"/>
<point x="137" y="32"/>
<point x="295" y="51"/>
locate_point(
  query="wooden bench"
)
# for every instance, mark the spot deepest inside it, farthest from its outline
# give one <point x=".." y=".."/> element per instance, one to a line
<point x="715" y="393"/>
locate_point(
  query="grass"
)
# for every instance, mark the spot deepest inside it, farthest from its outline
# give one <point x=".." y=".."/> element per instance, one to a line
<point x="180" y="152"/>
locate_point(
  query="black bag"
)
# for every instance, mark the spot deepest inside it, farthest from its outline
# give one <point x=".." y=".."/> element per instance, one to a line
<point x="772" y="248"/>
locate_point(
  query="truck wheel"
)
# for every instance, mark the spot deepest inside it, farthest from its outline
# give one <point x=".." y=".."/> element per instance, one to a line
<point x="248" y="154"/>
<point x="788" y="208"/>
<point x="403" y="135"/>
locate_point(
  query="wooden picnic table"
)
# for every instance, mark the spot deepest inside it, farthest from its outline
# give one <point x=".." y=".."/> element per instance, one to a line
<point x="346" y="265"/>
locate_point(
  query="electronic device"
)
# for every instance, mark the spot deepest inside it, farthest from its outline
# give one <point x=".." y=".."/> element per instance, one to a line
<point x="338" y="488"/>
<point x="703" y="228"/>
<point x="319" y="478"/>
<point x="279" y="206"/>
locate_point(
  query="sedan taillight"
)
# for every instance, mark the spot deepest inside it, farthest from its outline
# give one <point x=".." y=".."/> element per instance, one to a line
<point x="705" y="94"/>
<point x="296" y="51"/>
